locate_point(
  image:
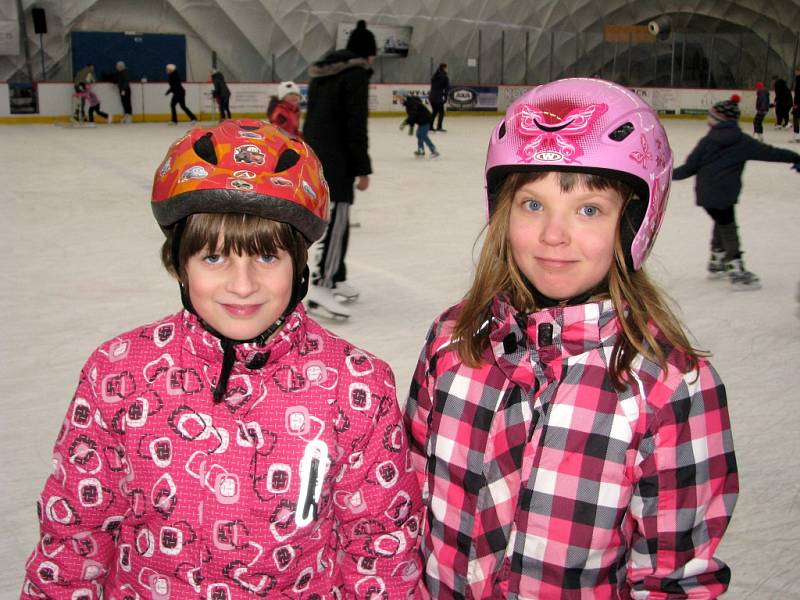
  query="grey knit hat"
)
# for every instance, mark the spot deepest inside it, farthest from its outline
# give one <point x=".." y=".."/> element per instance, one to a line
<point x="727" y="110"/>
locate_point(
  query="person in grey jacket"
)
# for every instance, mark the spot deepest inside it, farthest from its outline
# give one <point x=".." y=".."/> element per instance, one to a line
<point x="718" y="161"/>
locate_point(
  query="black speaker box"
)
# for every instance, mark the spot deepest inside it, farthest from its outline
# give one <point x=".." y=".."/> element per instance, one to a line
<point x="39" y="20"/>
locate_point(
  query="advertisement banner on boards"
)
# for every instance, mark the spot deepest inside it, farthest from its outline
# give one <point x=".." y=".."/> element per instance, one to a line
<point x="472" y="97"/>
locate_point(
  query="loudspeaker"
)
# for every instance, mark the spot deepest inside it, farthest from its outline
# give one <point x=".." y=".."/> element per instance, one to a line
<point x="39" y="20"/>
<point x="660" y="27"/>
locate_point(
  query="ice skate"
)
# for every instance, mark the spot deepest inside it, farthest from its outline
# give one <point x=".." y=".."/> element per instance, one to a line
<point x="795" y="138"/>
<point x="741" y="279"/>
<point x="419" y="153"/>
<point x="716" y="265"/>
<point x="323" y="302"/>
<point x="759" y="137"/>
<point x="344" y="292"/>
<point x="435" y="154"/>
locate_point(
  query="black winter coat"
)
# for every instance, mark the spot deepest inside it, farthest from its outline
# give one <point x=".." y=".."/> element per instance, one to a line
<point x="417" y="113"/>
<point x="221" y="89"/>
<point x="175" y="86"/>
<point x="123" y="81"/>
<point x="440" y="87"/>
<point x="718" y="161"/>
<point x="336" y="119"/>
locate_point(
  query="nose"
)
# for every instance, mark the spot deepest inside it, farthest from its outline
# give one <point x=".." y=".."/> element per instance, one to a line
<point x="555" y="230"/>
<point x="242" y="280"/>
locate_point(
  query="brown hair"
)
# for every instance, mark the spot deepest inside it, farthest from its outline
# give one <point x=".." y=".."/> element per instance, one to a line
<point x="638" y="301"/>
<point x="242" y="234"/>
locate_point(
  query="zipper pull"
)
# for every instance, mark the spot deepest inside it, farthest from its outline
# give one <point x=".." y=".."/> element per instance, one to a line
<point x="313" y="467"/>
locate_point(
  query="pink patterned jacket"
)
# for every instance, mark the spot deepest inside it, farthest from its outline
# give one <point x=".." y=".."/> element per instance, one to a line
<point x="297" y="485"/>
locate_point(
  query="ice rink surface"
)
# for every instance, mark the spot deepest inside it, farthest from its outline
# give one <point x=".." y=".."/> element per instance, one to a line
<point x="81" y="265"/>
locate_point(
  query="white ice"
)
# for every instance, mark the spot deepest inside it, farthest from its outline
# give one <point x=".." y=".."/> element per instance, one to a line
<point x="80" y="264"/>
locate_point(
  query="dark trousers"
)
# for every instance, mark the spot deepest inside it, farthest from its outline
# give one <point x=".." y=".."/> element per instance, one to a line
<point x="330" y="266"/>
<point x="758" y="122"/>
<point x="438" y="111"/>
<point x="796" y="119"/>
<point x="782" y="116"/>
<point x="724" y="234"/>
<point x="95" y="110"/>
<point x="125" y="98"/>
<point x="180" y="101"/>
<point x="224" y="107"/>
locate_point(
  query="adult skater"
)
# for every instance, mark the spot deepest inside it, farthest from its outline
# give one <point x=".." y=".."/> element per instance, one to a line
<point x="178" y="95"/>
<point x="783" y="104"/>
<point x="571" y="441"/>
<point x="440" y="88"/>
<point x="234" y="449"/>
<point x="336" y="128"/>
<point x="124" y="87"/>
<point x="796" y="107"/>
<point x="718" y="161"/>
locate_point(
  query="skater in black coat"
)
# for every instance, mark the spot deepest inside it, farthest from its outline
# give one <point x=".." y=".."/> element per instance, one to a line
<point x="178" y="95"/>
<point x="718" y="161"/>
<point x="222" y="94"/>
<point x="336" y="129"/>
<point x="124" y="87"/>
<point x="440" y="88"/>
<point x="783" y="103"/>
<point x="362" y="41"/>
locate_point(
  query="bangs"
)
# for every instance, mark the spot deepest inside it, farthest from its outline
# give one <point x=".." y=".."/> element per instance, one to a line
<point x="568" y="181"/>
<point x="234" y="233"/>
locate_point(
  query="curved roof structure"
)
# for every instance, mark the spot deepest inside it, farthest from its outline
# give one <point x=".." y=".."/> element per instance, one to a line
<point x="714" y="43"/>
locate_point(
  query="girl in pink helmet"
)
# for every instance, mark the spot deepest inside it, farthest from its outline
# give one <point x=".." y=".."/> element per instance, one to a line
<point x="235" y="449"/>
<point x="570" y="441"/>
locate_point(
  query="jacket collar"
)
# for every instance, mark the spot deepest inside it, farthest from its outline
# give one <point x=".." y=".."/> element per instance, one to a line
<point x="547" y="336"/>
<point x="199" y="342"/>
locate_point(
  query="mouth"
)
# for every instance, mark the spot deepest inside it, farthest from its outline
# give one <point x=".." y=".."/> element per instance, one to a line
<point x="241" y="310"/>
<point x="555" y="263"/>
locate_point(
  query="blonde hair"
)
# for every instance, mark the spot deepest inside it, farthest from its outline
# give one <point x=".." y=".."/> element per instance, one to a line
<point x="640" y="304"/>
<point x="242" y="234"/>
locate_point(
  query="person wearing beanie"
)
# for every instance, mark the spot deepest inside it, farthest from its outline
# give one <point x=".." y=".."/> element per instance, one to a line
<point x="284" y="108"/>
<point x="762" y="108"/>
<point x="361" y="41"/>
<point x="718" y="161"/>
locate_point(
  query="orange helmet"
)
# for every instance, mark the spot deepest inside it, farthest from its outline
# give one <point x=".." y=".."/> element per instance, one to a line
<point x="242" y="166"/>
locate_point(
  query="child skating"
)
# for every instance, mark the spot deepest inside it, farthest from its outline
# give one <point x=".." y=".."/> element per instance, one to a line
<point x="762" y="108"/>
<point x="570" y="441"/>
<point x="235" y="449"/>
<point x="718" y="161"/>
<point x="284" y="108"/>
<point x="418" y="114"/>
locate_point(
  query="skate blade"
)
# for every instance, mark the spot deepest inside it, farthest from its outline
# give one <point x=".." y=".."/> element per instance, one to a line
<point x="345" y="299"/>
<point x="325" y="311"/>
<point x="717" y="276"/>
<point x="746" y="287"/>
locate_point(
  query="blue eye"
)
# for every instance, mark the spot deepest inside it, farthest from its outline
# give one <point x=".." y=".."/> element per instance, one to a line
<point x="213" y="259"/>
<point x="533" y="205"/>
<point x="267" y="258"/>
<point x="590" y="211"/>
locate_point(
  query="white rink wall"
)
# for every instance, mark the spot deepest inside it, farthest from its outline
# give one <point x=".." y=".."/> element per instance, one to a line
<point x="151" y="104"/>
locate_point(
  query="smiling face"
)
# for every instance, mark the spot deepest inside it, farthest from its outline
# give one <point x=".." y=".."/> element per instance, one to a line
<point x="563" y="241"/>
<point x="240" y="296"/>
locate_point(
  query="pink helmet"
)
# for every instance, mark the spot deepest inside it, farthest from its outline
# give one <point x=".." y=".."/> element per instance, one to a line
<point x="590" y="126"/>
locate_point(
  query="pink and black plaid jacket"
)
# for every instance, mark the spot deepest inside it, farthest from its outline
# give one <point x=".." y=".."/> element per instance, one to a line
<point x="542" y="481"/>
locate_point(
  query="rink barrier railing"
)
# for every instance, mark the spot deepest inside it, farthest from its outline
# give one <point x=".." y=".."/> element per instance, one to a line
<point x="150" y="104"/>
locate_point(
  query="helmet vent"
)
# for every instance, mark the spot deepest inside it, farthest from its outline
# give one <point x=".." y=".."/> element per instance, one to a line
<point x="621" y="132"/>
<point x="204" y="148"/>
<point x="248" y="127"/>
<point x="502" y="131"/>
<point x="287" y="160"/>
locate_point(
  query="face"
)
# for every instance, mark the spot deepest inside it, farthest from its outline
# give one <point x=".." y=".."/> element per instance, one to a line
<point x="563" y="242"/>
<point x="239" y="296"/>
<point x="292" y="99"/>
